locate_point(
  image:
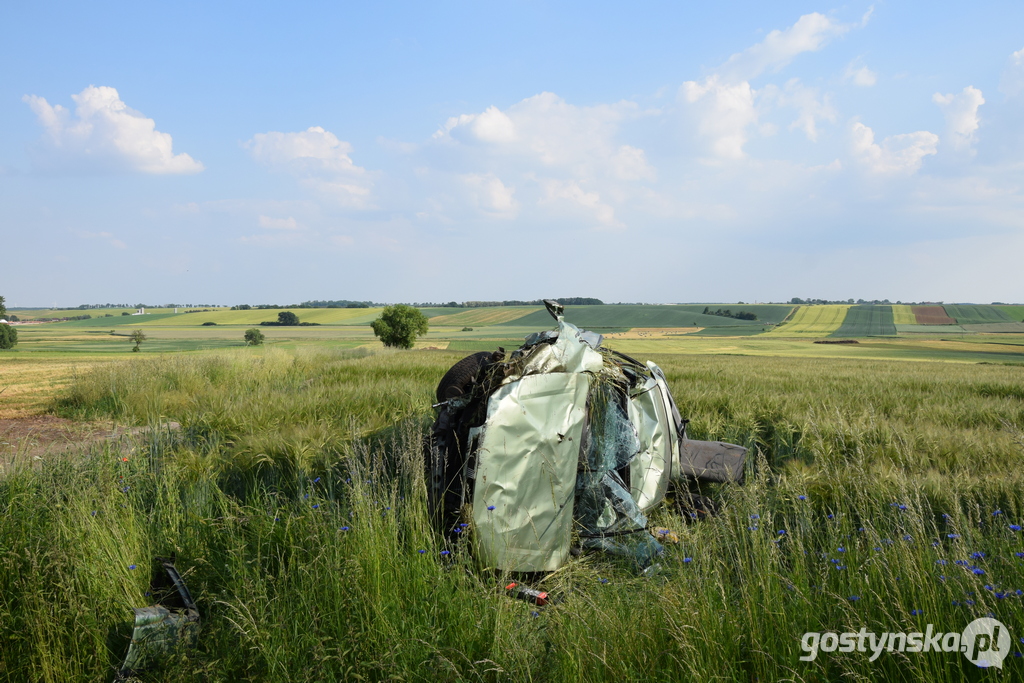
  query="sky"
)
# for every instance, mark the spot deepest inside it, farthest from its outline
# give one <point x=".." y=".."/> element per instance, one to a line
<point x="661" y="152"/>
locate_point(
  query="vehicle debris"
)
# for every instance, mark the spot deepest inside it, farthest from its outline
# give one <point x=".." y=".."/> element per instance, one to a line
<point x="562" y="439"/>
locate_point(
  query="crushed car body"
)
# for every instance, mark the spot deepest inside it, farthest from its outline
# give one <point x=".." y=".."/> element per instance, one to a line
<point x="562" y="442"/>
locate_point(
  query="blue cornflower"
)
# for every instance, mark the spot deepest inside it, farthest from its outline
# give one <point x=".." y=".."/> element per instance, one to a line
<point x="840" y="567"/>
<point x="782" y="532"/>
<point x="316" y="505"/>
<point x="277" y="519"/>
<point x="830" y="515"/>
<point x="907" y="537"/>
<point x="687" y="560"/>
<point x="306" y="496"/>
<point x="887" y="541"/>
<point x="604" y="580"/>
<point x="535" y="614"/>
<point x="956" y="604"/>
<point x="968" y="602"/>
<point x="317" y="480"/>
<point x="421" y="551"/>
<point x="344" y="528"/>
<point x="755" y="516"/>
<point x="1019" y="554"/>
<point x="801" y="497"/>
<point x="940" y="562"/>
<point x="915" y="612"/>
<point x="446" y="552"/>
<point x="1015" y="527"/>
<point x="977" y="571"/>
<point x="860" y="529"/>
<point x="841" y="549"/>
<point x="945" y="516"/>
<point x="877" y="549"/>
<point x="978" y="555"/>
<point x="131" y="566"/>
<point x="935" y="544"/>
<point x="853" y="598"/>
<point x="1001" y="596"/>
<point x="490" y="507"/>
<point x="942" y="577"/>
<point x="997" y="512"/>
<point x="93" y="513"/>
<point x="834" y="561"/>
<point x="751" y="528"/>
<point x="1019" y="592"/>
<point x="988" y="587"/>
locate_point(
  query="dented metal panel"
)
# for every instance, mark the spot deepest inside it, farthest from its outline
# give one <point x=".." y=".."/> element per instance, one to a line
<point x="649" y="472"/>
<point x="526" y="471"/>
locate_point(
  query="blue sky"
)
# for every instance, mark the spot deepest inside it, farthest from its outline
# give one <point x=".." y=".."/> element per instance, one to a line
<point x="655" y="152"/>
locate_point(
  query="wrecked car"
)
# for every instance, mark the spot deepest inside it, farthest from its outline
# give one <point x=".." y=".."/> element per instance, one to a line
<point x="563" y="443"/>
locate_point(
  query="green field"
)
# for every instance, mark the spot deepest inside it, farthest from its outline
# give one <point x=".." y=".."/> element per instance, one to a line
<point x="627" y="315"/>
<point x="1015" y="312"/>
<point x="293" y="499"/>
<point x="903" y="315"/>
<point x="977" y="315"/>
<point x="812" y="321"/>
<point x="867" y="321"/>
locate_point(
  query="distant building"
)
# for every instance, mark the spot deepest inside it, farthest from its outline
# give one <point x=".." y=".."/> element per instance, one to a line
<point x="141" y="311"/>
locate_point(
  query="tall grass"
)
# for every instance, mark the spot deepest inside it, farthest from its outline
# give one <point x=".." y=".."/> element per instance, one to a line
<point x="293" y="499"/>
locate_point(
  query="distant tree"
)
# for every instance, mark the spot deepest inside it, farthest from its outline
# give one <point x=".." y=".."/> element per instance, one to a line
<point x="287" y="318"/>
<point x="253" y="337"/>
<point x="13" y="318"/>
<point x="138" y="337"/>
<point x="399" y="325"/>
<point x="125" y="313"/>
<point x="8" y="336"/>
<point x="3" y="309"/>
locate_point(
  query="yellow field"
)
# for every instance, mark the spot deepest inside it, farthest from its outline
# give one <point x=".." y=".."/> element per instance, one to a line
<point x="324" y="316"/>
<point x="28" y="385"/>
<point x="812" y="321"/>
<point x="652" y="332"/>
<point x="483" y="316"/>
<point x="903" y="315"/>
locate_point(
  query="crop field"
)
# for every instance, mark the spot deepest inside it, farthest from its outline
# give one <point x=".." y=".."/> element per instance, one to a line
<point x="932" y="315"/>
<point x="903" y="315"/>
<point x="484" y="316"/>
<point x="867" y="321"/>
<point x="629" y="316"/>
<point x="978" y="315"/>
<point x="1002" y="328"/>
<point x="1015" y="312"/>
<point x="930" y="329"/>
<point x="812" y="321"/>
<point x="882" y="495"/>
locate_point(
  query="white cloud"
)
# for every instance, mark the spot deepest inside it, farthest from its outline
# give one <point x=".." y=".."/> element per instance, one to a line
<point x="105" y="132"/>
<point x="491" y="195"/>
<point x="105" y="236"/>
<point x="1012" y="81"/>
<point x="810" y="108"/>
<point x="571" y="192"/>
<point x="810" y="33"/>
<point x="961" y="115"/>
<point x="897" y="153"/>
<point x="726" y="105"/>
<point x="279" y="223"/>
<point x="860" y="75"/>
<point x="319" y="159"/>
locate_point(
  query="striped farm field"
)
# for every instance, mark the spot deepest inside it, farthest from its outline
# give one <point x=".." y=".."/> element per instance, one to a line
<point x="931" y="315"/>
<point x="812" y="321"/>
<point x="867" y="321"/>
<point x="1015" y="312"/>
<point x="978" y="315"/>
<point x="903" y="315"/>
<point x="323" y="316"/>
<point x="484" y="316"/>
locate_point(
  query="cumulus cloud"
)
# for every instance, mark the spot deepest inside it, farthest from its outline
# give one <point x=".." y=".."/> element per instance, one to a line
<point x="897" y="154"/>
<point x="961" y="116"/>
<point x="278" y="223"/>
<point x="571" y="192"/>
<point x="811" y="108"/>
<point x="104" y="132"/>
<point x="860" y="75"/>
<point x="491" y="195"/>
<point x="725" y="104"/>
<point x="1012" y="81"/>
<point x="319" y="159"/>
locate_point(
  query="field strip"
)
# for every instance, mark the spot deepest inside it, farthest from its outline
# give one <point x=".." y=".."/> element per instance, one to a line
<point x="812" y="321"/>
<point x="652" y="332"/>
<point x="903" y="315"/>
<point x="482" y="316"/>
<point x="932" y="315"/>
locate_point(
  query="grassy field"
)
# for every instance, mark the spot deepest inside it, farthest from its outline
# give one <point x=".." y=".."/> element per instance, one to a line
<point x="867" y="321"/>
<point x="1015" y="312"/>
<point x="977" y="315"/>
<point x="903" y="315"/>
<point x="599" y="317"/>
<point x="812" y="321"/>
<point x="484" y="316"/>
<point x="292" y="497"/>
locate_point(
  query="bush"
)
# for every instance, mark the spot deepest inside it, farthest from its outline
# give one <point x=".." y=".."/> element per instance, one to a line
<point x="253" y="337"/>
<point x="125" y="313"/>
<point x="399" y="325"/>
<point x="8" y="336"/>
<point x="467" y="329"/>
<point x="208" y="323"/>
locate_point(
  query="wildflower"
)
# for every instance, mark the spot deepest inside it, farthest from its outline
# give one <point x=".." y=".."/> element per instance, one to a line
<point x="840" y="567"/>
<point x="834" y="561"/>
<point x="968" y="602"/>
<point x="751" y="528"/>
<point x="344" y="528"/>
<point x="887" y="541"/>
<point x="1019" y="554"/>
<point x="942" y="577"/>
<point x="878" y="550"/>
<point x="1015" y="527"/>
<point x="1000" y="595"/>
<point x="93" y="513"/>
<point x="755" y="516"/>
<point x="316" y="506"/>
<point x="988" y="587"/>
<point x="978" y="555"/>
<point x="446" y="552"/>
<point x="915" y="612"/>
<point x="935" y="544"/>
<point x="907" y="537"/>
<point x="1019" y="593"/>
<point x="841" y="549"/>
<point x="388" y="508"/>
<point x="801" y="497"/>
<point x="961" y="563"/>
<point x="687" y="560"/>
<point x="830" y="515"/>
<point x="535" y="614"/>
<point x="940" y="562"/>
<point x="997" y="513"/>
<point x="860" y="529"/>
<point x="977" y="571"/>
<point x="490" y="507"/>
<point x="945" y="516"/>
<point x="131" y="566"/>
<point x="604" y="580"/>
<point x="277" y="519"/>
<point x="421" y="551"/>
<point x="853" y="598"/>
<point x="125" y="489"/>
<point x="782" y="532"/>
<point x="124" y="459"/>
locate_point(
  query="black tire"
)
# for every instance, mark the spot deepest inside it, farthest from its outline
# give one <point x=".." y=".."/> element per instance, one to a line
<point x="460" y="376"/>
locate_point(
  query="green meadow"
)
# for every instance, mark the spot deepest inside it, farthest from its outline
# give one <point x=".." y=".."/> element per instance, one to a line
<point x="881" y="494"/>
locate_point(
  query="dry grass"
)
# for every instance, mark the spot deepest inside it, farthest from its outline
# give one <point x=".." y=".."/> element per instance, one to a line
<point x="29" y="385"/>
